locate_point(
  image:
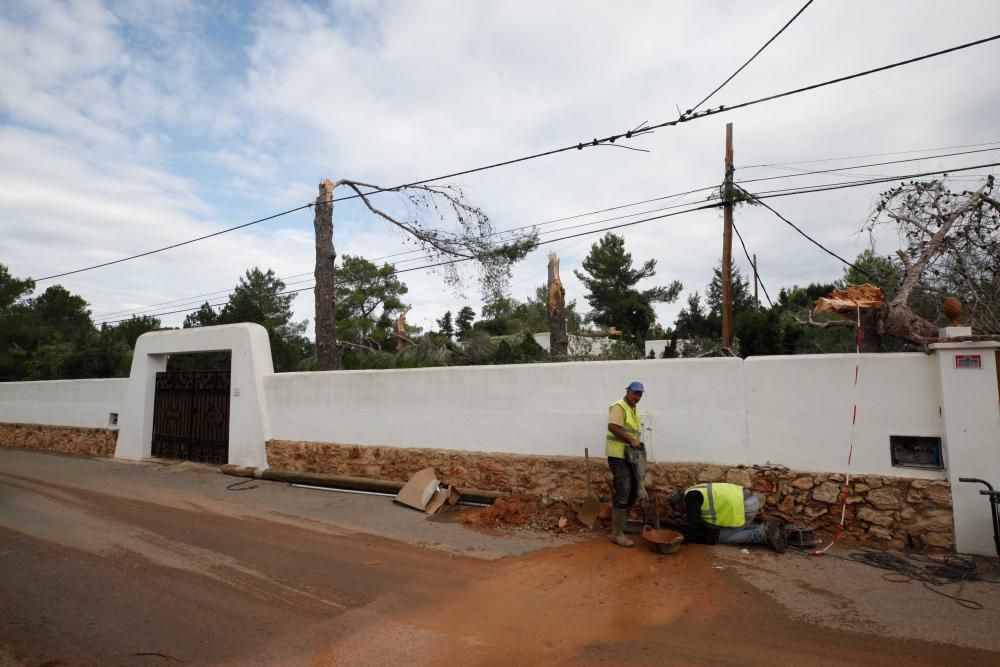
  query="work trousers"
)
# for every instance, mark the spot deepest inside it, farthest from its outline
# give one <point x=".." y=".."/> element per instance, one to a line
<point x="625" y="485"/>
<point x="749" y="532"/>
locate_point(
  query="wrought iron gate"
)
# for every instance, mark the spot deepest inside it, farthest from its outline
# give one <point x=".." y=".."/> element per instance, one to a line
<point x="191" y="416"/>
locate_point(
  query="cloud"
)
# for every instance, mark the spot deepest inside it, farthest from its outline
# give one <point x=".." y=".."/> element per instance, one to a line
<point x="134" y="125"/>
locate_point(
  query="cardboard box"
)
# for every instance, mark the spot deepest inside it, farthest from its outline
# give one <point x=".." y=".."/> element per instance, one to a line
<point x="419" y="491"/>
<point x="445" y="496"/>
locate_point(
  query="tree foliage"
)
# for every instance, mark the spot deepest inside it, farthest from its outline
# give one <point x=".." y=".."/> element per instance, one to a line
<point x="505" y="316"/>
<point x="369" y="298"/>
<point x="613" y="293"/>
<point x="52" y="336"/>
<point x="441" y="222"/>
<point x="951" y="242"/>
<point x="258" y="297"/>
<point x="463" y="322"/>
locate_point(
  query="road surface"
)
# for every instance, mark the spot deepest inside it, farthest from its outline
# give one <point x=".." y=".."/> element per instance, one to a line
<point x="113" y="563"/>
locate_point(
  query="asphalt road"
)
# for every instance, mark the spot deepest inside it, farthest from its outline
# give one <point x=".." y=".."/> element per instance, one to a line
<point x="111" y="563"/>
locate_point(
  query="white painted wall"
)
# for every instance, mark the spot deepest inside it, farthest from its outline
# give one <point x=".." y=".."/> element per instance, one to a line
<point x="799" y="410"/>
<point x="697" y="407"/>
<point x="81" y="403"/>
<point x="971" y="410"/>
<point x="795" y="411"/>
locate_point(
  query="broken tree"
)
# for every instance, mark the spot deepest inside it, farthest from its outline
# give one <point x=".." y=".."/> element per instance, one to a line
<point x="556" y="309"/>
<point x="473" y="239"/>
<point x="952" y="249"/>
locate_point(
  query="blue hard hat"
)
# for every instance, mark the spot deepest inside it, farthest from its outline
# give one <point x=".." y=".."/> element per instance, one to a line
<point x="636" y="386"/>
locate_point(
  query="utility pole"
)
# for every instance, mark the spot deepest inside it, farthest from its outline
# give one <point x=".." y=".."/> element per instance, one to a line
<point x="756" y="299"/>
<point x="727" y="245"/>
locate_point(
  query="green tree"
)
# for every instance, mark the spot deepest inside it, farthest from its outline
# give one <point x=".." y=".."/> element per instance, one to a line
<point x="19" y="331"/>
<point x="128" y="331"/>
<point x="742" y="295"/>
<point x="611" y="280"/>
<point x="463" y="322"/>
<point x="205" y="316"/>
<point x="369" y="298"/>
<point x="259" y="298"/>
<point x="66" y="340"/>
<point x="761" y="333"/>
<point x="693" y="321"/>
<point x="445" y="326"/>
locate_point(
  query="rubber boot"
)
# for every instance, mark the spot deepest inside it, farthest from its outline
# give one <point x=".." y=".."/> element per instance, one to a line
<point x="775" y="536"/>
<point x="618" y="520"/>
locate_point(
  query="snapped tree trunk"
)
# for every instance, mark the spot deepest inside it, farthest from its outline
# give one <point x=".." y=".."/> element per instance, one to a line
<point x="558" y="340"/>
<point x="327" y="351"/>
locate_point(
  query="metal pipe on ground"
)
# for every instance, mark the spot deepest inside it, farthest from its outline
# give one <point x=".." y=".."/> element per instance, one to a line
<point x="374" y="493"/>
<point x="349" y="483"/>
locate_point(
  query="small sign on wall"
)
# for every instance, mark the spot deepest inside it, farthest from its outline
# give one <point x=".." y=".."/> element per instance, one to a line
<point x="236" y="392"/>
<point x="968" y="361"/>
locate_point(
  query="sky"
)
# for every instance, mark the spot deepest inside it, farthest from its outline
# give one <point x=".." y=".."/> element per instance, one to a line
<point x="129" y="126"/>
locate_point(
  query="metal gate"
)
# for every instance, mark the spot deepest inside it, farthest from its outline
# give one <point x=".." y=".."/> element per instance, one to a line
<point x="191" y="416"/>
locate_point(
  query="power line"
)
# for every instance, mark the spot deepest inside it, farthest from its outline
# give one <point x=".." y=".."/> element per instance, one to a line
<point x="660" y="198"/>
<point x="812" y="240"/>
<point x="757" y="196"/>
<point x="466" y="259"/>
<point x="611" y="139"/>
<point x="139" y="310"/>
<point x="857" y="157"/>
<point x="756" y="275"/>
<point x="871" y="164"/>
<point x="761" y="49"/>
<point x="857" y="75"/>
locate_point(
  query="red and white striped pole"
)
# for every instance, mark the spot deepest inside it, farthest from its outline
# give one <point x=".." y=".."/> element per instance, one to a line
<point x="854" y="421"/>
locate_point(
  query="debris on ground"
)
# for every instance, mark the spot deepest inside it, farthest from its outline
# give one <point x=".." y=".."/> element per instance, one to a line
<point x="424" y="492"/>
<point x="526" y="511"/>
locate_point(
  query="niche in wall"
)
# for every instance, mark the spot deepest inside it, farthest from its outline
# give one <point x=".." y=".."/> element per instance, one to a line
<point x="916" y="451"/>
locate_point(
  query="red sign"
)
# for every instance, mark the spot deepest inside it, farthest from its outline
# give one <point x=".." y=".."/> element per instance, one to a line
<point x="968" y="361"/>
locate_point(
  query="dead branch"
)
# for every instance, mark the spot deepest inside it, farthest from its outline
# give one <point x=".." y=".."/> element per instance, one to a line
<point x="822" y="324"/>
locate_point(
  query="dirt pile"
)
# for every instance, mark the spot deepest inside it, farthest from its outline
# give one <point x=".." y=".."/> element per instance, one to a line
<point x="528" y="512"/>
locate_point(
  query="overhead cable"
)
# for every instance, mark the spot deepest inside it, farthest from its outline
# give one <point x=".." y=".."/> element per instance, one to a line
<point x="756" y="276"/>
<point x="611" y="139"/>
<point x="757" y="196"/>
<point x="858" y="157"/>
<point x="635" y="203"/>
<point x="759" y="51"/>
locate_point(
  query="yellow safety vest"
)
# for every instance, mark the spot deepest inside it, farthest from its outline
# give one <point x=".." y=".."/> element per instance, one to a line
<point x="721" y="504"/>
<point x="615" y="448"/>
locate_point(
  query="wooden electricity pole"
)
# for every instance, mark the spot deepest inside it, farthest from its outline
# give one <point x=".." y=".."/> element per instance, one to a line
<point x="727" y="244"/>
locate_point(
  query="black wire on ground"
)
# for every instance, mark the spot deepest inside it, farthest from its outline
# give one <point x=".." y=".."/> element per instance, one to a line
<point x="236" y="486"/>
<point x="930" y="571"/>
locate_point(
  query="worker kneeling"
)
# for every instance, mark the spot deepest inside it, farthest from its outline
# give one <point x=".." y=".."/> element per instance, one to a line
<point x="725" y="513"/>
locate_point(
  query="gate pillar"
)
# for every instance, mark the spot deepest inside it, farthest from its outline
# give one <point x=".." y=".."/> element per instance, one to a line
<point x="970" y="408"/>
<point x="251" y="361"/>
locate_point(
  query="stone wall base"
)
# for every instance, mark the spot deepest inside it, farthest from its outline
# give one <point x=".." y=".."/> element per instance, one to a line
<point x="887" y="511"/>
<point x="65" y="439"/>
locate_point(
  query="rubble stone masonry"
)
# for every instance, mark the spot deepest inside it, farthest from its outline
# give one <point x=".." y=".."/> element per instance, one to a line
<point x="65" y="439"/>
<point x="888" y="511"/>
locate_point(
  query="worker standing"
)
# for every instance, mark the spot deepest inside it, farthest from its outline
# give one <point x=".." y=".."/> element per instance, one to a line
<point x="624" y="430"/>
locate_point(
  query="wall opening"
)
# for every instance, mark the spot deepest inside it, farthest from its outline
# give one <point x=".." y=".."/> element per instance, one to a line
<point x="916" y="451"/>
